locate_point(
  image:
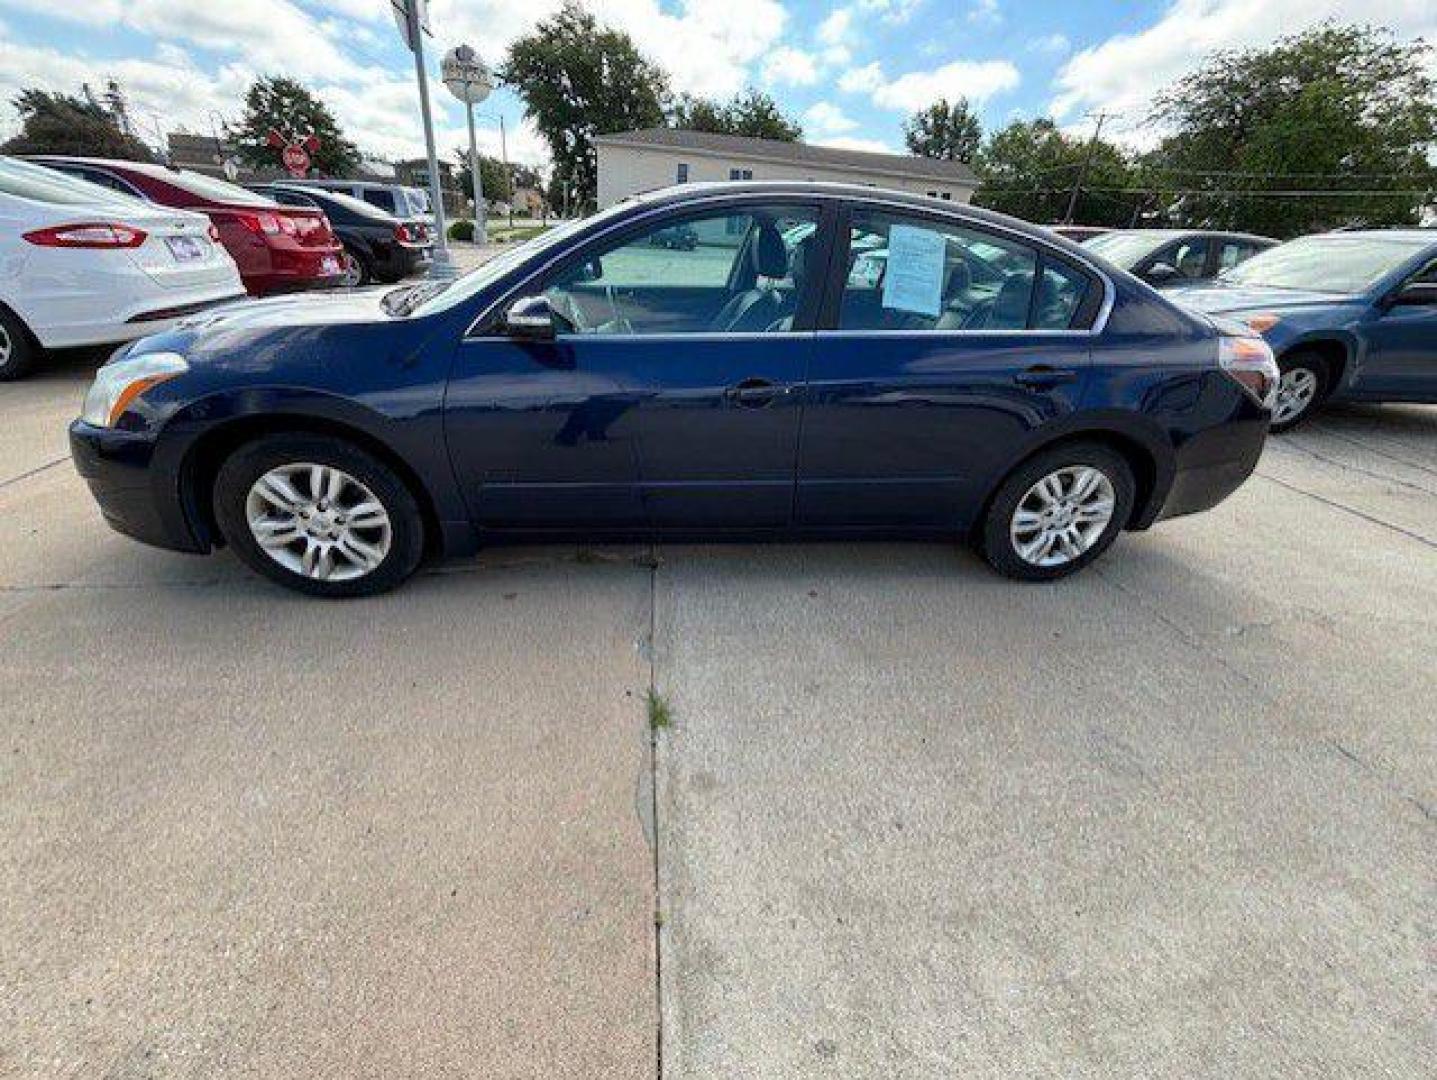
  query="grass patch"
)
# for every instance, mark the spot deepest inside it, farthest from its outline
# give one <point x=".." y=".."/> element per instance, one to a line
<point x="660" y="716"/>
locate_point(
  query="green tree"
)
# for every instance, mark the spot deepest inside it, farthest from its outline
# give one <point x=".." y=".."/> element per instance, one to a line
<point x="1028" y="169"/>
<point x="950" y="132"/>
<point x="1337" y="108"/>
<point x="283" y="105"/>
<point x="578" y="80"/>
<point x="496" y="181"/>
<point x="752" y="113"/>
<point x="61" y="124"/>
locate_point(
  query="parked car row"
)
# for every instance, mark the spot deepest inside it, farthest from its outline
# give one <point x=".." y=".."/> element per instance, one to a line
<point x="84" y="242"/>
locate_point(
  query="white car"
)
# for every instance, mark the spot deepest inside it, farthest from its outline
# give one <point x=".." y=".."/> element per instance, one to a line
<point x="83" y="265"/>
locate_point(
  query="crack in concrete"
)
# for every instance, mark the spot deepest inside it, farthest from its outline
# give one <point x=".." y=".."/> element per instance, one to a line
<point x="1291" y="444"/>
<point x="1370" y="518"/>
<point x="1385" y="780"/>
<point x="34" y="472"/>
<point x="1373" y="449"/>
<point x="653" y="565"/>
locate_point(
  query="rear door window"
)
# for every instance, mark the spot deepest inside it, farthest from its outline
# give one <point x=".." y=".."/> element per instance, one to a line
<point x="910" y="273"/>
<point x="380" y="197"/>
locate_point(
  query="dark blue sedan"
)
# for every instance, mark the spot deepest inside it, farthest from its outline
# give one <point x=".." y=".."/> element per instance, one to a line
<point x="1351" y="316"/>
<point x="984" y="380"/>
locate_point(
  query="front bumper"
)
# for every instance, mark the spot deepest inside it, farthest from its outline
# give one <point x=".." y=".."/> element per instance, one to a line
<point x="136" y="497"/>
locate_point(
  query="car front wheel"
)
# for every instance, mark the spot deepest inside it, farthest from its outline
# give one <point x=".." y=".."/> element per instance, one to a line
<point x="318" y="515"/>
<point x="1057" y="512"/>
<point x="1303" y="383"/>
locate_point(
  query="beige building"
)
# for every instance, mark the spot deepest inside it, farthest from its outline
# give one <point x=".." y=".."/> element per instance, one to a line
<point x="635" y="161"/>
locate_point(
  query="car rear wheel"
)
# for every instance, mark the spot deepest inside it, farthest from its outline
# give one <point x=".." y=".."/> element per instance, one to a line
<point x="356" y="270"/>
<point x="1303" y="384"/>
<point x="1057" y="512"/>
<point x="319" y="515"/>
<point x="17" y="350"/>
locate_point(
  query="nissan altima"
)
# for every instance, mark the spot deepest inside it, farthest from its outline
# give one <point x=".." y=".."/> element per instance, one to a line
<point x="984" y="381"/>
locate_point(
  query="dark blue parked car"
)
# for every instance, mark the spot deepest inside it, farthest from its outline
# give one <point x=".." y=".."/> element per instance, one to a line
<point x="1351" y="316"/>
<point x="987" y="381"/>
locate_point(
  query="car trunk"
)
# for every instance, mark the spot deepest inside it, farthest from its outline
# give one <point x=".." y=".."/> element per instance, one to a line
<point x="178" y="252"/>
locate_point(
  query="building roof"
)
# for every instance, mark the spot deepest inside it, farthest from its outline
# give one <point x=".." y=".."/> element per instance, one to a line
<point x="737" y="146"/>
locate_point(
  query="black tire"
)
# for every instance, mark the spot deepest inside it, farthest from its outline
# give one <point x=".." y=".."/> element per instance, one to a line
<point x="254" y="459"/>
<point x="18" y="351"/>
<point x="995" y="542"/>
<point x="1315" y="367"/>
<point x="361" y="265"/>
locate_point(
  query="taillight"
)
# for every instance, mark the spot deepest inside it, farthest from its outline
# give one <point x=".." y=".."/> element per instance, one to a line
<point x="214" y="232"/>
<point x="266" y="224"/>
<point x="403" y="234"/>
<point x="90" y="234"/>
<point x="1249" y="361"/>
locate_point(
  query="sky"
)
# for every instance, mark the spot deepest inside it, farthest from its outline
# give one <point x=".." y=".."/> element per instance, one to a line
<point x="849" y="70"/>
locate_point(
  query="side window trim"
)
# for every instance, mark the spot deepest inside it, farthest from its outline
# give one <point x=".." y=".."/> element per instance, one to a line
<point x="486" y="325"/>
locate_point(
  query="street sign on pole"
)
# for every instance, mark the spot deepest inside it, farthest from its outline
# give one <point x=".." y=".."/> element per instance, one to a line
<point x="414" y="26"/>
<point x="469" y="80"/>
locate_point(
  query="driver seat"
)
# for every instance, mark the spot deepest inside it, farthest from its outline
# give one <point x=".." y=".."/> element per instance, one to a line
<point x="758" y="308"/>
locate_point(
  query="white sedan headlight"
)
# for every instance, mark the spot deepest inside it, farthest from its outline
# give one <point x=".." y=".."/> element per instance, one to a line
<point x="117" y="385"/>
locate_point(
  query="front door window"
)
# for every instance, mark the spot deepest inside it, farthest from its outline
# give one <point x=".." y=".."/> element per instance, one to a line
<point x="729" y="271"/>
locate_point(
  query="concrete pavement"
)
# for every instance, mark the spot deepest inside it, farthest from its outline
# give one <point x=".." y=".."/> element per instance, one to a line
<point x="1172" y="818"/>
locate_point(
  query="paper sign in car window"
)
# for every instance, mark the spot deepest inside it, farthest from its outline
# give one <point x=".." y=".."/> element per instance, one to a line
<point x="914" y="280"/>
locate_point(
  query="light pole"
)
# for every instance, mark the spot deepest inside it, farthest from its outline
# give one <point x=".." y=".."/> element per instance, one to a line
<point x="412" y="19"/>
<point x="469" y="80"/>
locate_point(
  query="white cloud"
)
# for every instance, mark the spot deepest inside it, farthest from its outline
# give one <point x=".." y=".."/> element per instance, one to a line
<point x="862" y="80"/>
<point x="975" y="80"/>
<point x="834" y="28"/>
<point x="1124" y="73"/>
<point x="844" y="142"/>
<point x="893" y="11"/>
<point x="706" y="47"/>
<point x="985" y="12"/>
<point x="825" y="118"/>
<point x="789" y="66"/>
<point x="1050" y="44"/>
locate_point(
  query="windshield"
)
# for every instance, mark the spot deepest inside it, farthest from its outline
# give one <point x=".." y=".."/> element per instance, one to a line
<point x="43" y="185"/>
<point x="430" y="297"/>
<point x="1126" y="249"/>
<point x="418" y="200"/>
<point x="339" y="198"/>
<point x="1334" y="264"/>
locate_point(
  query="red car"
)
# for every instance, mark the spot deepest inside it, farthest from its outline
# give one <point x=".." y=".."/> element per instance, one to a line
<point x="277" y="248"/>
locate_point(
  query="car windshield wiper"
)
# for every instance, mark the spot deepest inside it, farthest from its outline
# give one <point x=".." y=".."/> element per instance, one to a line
<point x="404" y="300"/>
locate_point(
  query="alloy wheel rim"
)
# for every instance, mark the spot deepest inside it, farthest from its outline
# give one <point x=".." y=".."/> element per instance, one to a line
<point x="1062" y="516"/>
<point x="352" y="272"/>
<point x="5" y="346"/>
<point x="1295" y="392"/>
<point x="318" y="521"/>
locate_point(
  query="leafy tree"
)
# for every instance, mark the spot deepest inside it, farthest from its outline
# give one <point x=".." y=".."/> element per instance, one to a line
<point x="283" y="105"/>
<point x="578" y="80"/>
<point x="752" y="113"/>
<point x="491" y="172"/>
<point x="949" y="132"/>
<point x="61" y="124"/>
<point x="1339" y="108"/>
<point x="1028" y="169"/>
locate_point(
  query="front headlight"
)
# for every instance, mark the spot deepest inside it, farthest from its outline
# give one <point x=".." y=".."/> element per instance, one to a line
<point x="118" y="384"/>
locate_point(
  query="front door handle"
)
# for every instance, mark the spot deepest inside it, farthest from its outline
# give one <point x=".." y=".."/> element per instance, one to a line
<point x="1043" y="376"/>
<point x="753" y="393"/>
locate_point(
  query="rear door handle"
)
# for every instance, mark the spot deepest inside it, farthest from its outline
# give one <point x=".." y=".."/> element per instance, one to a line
<point x="1040" y="376"/>
<point x="753" y="393"/>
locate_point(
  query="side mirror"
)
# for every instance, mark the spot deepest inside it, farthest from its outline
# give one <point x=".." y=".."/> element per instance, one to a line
<point x="1418" y="293"/>
<point x="530" y="318"/>
<point x="1161" y="272"/>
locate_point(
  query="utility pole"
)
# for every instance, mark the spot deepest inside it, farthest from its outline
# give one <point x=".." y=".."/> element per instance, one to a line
<point x="1083" y="171"/>
<point x="508" y="173"/>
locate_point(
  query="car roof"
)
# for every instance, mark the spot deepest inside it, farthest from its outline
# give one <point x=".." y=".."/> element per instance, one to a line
<point x="1175" y="233"/>
<point x="678" y="194"/>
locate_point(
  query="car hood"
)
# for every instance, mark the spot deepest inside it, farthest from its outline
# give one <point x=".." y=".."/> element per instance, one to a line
<point x="1228" y="299"/>
<point x="305" y="309"/>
